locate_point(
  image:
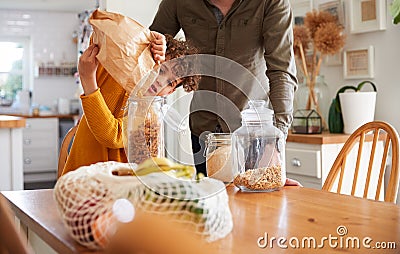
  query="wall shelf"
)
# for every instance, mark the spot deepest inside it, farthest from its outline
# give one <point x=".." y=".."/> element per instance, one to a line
<point x="58" y="71"/>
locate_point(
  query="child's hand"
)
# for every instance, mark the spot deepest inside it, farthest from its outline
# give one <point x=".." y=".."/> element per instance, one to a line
<point x="87" y="69"/>
<point x="158" y="47"/>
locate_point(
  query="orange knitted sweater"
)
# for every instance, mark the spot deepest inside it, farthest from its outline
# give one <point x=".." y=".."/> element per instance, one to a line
<point x="99" y="135"/>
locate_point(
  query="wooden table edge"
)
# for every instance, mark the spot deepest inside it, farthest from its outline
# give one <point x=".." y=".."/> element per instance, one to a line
<point x="28" y="222"/>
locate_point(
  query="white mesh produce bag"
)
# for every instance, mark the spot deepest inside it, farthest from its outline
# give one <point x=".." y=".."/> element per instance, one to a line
<point x="89" y="199"/>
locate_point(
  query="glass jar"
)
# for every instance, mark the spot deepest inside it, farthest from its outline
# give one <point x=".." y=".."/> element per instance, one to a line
<point x="144" y="128"/>
<point x="322" y="97"/>
<point x="218" y="156"/>
<point x="258" y="151"/>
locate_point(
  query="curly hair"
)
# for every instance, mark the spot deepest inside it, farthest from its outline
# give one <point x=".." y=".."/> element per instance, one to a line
<point x="179" y="49"/>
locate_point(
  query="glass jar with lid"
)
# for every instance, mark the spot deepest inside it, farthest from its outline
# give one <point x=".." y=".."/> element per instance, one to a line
<point x="144" y="128"/>
<point x="145" y="119"/>
<point x="218" y="156"/>
<point x="258" y="150"/>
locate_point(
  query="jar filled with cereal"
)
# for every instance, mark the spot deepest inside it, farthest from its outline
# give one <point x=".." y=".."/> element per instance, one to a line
<point x="258" y="150"/>
<point x="144" y="128"/>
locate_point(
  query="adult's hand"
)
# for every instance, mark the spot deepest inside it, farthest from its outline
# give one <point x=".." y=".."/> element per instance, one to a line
<point x="291" y="182"/>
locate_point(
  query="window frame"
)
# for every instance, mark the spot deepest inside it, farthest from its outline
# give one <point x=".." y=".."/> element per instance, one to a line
<point x="27" y="70"/>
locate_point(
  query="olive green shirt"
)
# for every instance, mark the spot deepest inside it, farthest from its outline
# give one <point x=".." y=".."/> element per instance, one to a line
<point x="258" y="35"/>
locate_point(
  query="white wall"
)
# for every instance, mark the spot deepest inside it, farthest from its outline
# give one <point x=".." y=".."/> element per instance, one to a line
<point x="139" y="10"/>
<point x="50" y="33"/>
<point x="387" y="72"/>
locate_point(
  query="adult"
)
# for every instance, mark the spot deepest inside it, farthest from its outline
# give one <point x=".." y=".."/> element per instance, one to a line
<point x="256" y="34"/>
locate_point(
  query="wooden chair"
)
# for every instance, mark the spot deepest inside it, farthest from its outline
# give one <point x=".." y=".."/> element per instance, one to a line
<point x="11" y="240"/>
<point x="64" y="150"/>
<point x="368" y="133"/>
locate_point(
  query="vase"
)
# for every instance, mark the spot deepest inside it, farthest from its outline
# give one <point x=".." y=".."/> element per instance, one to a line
<point x="357" y="109"/>
<point x="319" y="100"/>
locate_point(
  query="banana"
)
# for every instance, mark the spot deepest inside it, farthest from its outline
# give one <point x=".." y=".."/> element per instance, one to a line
<point x="158" y="164"/>
<point x="149" y="170"/>
<point x="191" y="171"/>
<point x="155" y="161"/>
<point x="146" y="164"/>
<point x="162" y="161"/>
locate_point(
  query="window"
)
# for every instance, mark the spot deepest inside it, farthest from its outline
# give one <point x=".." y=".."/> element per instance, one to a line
<point x="14" y="68"/>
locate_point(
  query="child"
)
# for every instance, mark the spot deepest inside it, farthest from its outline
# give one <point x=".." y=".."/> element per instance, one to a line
<point x="99" y="135"/>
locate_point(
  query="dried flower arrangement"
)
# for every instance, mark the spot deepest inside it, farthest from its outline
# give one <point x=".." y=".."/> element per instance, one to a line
<point x="323" y="35"/>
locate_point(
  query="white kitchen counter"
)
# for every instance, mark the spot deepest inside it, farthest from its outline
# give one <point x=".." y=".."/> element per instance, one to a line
<point x="11" y="169"/>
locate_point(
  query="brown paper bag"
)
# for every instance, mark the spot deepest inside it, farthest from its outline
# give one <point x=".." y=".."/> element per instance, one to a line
<point x="124" y="47"/>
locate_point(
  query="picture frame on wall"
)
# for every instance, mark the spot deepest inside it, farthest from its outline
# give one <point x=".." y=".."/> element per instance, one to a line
<point x="334" y="60"/>
<point x="300" y="8"/>
<point x="367" y="15"/>
<point x="358" y="63"/>
<point x="334" y="7"/>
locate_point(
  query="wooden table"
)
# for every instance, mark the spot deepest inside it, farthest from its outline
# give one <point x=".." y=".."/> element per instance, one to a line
<point x="291" y="213"/>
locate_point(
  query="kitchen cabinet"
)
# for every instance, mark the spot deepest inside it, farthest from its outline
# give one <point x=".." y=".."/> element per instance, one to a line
<point x="309" y="158"/>
<point x="40" y="150"/>
<point x="11" y="152"/>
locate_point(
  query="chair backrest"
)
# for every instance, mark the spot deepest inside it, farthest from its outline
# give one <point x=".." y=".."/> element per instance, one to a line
<point x="62" y="158"/>
<point x="370" y="134"/>
<point x="11" y="240"/>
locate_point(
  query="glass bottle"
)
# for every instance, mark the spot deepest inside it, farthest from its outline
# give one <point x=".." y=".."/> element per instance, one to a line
<point x="218" y="156"/>
<point x="322" y="97"/>
<point x="144" y="128"/>
<point x="258" y="151"/>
